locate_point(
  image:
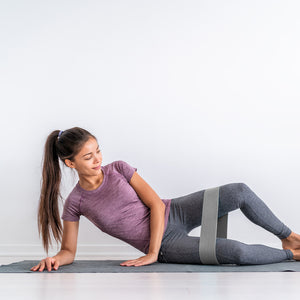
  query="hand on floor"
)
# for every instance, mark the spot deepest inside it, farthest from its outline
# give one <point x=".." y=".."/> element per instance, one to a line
<point x="141" y="261"/>
<point x="47" y="263"/>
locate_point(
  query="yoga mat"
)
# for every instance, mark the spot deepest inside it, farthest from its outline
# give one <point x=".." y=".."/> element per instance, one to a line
<point x="113" y="266"/>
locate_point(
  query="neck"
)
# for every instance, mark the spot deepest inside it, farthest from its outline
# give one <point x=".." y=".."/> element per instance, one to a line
<point x="91" y="182"/>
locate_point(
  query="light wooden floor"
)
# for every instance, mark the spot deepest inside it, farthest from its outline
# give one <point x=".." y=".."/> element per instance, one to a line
<point x="139" y="286"/>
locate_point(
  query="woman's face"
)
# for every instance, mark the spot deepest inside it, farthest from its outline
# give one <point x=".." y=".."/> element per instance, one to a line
<point x="88" y="161"/>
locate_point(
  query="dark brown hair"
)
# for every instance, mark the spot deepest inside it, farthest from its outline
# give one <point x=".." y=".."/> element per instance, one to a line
<point x="59" y="145"/>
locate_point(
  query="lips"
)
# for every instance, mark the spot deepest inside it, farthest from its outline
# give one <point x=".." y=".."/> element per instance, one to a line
<point x="97" y="168"/>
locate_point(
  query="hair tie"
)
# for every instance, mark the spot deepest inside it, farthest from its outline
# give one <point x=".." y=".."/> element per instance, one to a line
<point x="60" y="133"/>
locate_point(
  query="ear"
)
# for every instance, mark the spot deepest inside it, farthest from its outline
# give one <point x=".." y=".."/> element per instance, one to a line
<point x="69" y="163"/>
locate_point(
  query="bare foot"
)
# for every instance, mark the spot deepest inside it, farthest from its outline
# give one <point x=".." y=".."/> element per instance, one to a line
<point x="296" y="254"/>
<point x="291" y="242"/>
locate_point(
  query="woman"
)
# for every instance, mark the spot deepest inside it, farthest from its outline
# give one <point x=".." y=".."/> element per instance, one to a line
<point x="119" y="202"/>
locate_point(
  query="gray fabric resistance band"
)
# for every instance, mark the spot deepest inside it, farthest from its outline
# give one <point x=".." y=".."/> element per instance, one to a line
<point x="211" y="227"/>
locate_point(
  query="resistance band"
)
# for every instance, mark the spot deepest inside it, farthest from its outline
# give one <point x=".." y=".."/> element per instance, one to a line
<point x="211" y="227"/>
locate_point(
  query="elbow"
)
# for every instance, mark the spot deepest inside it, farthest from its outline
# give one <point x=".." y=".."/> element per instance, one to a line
<point x="160" y="207"/>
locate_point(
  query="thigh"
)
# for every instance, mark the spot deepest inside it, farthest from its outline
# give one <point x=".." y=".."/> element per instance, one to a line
<point x="186" y="211"/>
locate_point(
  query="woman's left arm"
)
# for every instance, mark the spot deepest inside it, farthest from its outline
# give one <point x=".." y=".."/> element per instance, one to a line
<point x="157" y="220"/>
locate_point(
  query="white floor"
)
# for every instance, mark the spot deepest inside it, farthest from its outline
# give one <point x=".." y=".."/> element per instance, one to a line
<point x="173" y="286"/>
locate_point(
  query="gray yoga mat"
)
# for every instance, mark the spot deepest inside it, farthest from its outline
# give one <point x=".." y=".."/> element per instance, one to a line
<point x="113" y="266"/>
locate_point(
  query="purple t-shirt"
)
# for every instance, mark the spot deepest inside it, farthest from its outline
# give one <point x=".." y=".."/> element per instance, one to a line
<point x="114" y="207"/>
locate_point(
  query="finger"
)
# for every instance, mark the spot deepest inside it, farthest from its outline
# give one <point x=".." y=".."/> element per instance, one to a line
<point x="34" y="268"/>
<point x="131" y="260"/>
<point x="56" y="265"/>
<point x="141" y="264"/>
<point x="48" y="263"/>
<point x="128" y="262"/>
<point x="42" y="266"/>
<point x="125" y="264"/>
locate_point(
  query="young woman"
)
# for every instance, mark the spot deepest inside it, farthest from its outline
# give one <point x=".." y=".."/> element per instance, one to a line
<point x="119" y="202"/>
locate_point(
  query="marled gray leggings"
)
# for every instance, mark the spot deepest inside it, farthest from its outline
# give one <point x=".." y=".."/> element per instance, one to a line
<point x="185" y="215"/>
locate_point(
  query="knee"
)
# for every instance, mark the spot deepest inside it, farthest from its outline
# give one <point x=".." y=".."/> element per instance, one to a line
<point x="237" y="187"/>
<point x="238" y="252"/>
<point x="237" y="191"/>
<point x="241" y="187"/>
<point x="231" y="252"/>
<point x="240" y="255"/>
<point x="243" y="192"/>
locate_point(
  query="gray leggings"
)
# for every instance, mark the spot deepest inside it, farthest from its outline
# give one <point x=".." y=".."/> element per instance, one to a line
<point x="186" y="213"/>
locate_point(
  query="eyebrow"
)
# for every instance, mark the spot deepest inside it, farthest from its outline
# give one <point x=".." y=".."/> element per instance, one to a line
<point x="89" y="152"/>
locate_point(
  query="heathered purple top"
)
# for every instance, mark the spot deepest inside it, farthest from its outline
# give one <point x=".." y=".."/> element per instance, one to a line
<point x="114" y="207"/>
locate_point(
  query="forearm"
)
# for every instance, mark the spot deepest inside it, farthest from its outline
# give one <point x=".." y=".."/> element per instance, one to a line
<point x="64" y="257"/>
<point x="157" y="222"/>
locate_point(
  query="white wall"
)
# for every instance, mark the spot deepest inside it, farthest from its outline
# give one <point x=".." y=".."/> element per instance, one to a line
<point x="195" y="94"/>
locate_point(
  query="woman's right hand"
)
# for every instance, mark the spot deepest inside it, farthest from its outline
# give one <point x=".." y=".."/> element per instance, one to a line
<point x="48" y="263"/>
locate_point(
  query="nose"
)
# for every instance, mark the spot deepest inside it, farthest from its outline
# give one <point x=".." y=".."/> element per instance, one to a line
<point x="97" y="158"/>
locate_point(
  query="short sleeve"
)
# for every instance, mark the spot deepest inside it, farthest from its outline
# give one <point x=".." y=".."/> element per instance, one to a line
<point x="125" y="169"/>
<point x="70" y="211"/>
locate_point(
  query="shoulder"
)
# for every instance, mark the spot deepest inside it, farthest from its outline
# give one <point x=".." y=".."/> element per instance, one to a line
<point x="123" y="168"/>
<point x="71" y="210"/>
<point x="121" y="164"/>
<point x="74" y="196"/>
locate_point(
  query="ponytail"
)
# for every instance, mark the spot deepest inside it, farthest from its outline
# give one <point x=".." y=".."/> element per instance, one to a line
<point x="48" y="213"/>
<point x="59" y="145"/>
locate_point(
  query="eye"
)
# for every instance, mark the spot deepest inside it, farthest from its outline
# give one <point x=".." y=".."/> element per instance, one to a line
<point x="98" y="151"/>
<point x="88" y="158"/>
